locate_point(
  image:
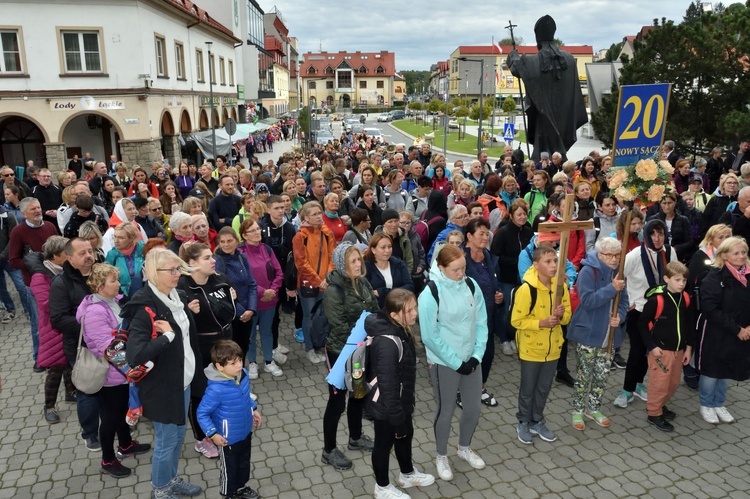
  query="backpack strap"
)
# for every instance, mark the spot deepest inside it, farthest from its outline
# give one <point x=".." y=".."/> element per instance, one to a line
<point x="152" y="316"/>
<point x="659" y="310"/>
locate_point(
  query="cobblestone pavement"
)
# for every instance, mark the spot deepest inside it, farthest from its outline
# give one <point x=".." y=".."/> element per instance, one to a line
<point x="629" y="459"/>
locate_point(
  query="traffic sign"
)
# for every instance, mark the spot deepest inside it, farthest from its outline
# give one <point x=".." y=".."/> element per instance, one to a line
<point x="230" y="126"/>
<point x="509" y="132"/>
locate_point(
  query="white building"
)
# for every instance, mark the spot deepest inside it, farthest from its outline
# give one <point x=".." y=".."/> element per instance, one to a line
<point x="121" y="77"/>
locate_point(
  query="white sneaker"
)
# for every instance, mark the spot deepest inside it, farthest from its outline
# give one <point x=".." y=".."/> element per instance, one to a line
<point x="253" y="396"/>
<point x="252" y="370"/>
<point x="415" y="479"/>
<point x="507" y="349"/>
<point x="514" y="346"/>
<point x="444" y="468"/>
<point x="273" y="369"/>
<point x="724" y="415"/>
<point x="472" y="458"/>
<point x="313" y="357"/>
<point x="279" y="357"/>
<point x="709" y="415"/>
<point x="321" y="355"/>
<point x="282" y="349"/>
<point x="389" y="492"/>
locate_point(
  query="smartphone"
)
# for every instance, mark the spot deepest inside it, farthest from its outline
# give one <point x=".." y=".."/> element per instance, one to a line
<point x="661" y="365"/>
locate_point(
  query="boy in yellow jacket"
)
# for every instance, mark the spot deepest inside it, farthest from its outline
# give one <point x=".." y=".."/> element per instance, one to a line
<point x="539" y="338"/>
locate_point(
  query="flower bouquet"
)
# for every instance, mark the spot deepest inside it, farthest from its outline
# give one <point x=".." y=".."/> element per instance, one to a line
<point x="643" y="183"/>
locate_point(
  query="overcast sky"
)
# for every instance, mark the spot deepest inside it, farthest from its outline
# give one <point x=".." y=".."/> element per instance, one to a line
<point x="423" y="32"/>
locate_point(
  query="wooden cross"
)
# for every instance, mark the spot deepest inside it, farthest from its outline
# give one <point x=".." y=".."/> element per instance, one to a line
<point x="564" y="228"/>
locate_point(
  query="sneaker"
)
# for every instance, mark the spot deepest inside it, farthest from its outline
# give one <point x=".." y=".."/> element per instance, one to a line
<point x="641" y="392"/>
<point x="443" y="468"/>
<point x="364" y="443"/>
<point x="524" y="435"/>
<point x="619" y="362"/>
<point x="668" y="415"/>
<point x="180" y="487"/>
<point x="389" y="492"/>
<point x="282" y="349"/>
<point x="37" y="369"/>
<point x="115" y="469"/>
<point x="709" y="415"/>
<point x="507" y="349"/>
<point x="71" y="397"/>
<point x="598" y="418"/>
<point x="578" y="422"/>
<point x="321" y="355"/>
<point x="252" y="370"/>
<point x="337" y="459"/>
<point x="253" y="396"/>
<point x="623" y="399"/>
<point x="724" y="415"/>
<point x="51" y="416"/>
<point x="135" y="449"/>
<point x="565" y="378"/>
<point x="273" y="369"/>
<point x="660" y="423"/>
<point x="514" y="346"/>
<point x="299" y="335"/>
<point x="93" y="444"/>
<point x="313" y="357"/>
<point x="246" y="493"/>
<point x="163" y="493"/>
<point x="279" y="357"/>
<point x="544" y="433"/>
<point x="415" y="479"/>
<point x="207" y="448"/>
<point x="9" y="317"/>
<point x="471" y="457"/>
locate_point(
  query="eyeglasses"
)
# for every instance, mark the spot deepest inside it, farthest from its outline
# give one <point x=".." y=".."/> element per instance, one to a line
<point x="157" y="209"/>
<point x="9" y="175"/>
<point x="172" y="271"/>
<point x="252" y="231"/>
<point x="610" y="256"/>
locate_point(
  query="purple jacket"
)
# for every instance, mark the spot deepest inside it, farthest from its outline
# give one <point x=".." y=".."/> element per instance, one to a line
<point x="97" y="332"/>
<point x="266" y="270"/>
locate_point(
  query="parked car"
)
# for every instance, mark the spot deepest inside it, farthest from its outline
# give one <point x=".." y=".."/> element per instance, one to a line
<point x="373" y="132"/>
<point x="397" y="114"/>
<point x="384" y="117"/>
<point x="358" y="128"/>
<point x="322" y="138"/>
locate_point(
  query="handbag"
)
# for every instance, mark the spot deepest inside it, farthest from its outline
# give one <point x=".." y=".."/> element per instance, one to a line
<point x="89" y="372"/>
<point x="310" y="291"/>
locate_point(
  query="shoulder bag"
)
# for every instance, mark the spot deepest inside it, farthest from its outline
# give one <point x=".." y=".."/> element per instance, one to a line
<point x="89" y="372"/>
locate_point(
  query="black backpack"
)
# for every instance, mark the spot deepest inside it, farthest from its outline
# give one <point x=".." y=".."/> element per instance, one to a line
<point x="532" y="296"/>
<point x="320" y="328"/>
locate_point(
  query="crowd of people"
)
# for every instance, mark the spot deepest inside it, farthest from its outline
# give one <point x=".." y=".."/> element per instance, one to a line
<point x="198" y="262"/>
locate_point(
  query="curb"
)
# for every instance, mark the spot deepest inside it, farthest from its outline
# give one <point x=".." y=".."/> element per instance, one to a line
<point x="452" y="153"/>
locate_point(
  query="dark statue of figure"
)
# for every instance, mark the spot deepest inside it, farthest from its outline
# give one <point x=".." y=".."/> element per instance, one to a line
<point x="554" y="101"/>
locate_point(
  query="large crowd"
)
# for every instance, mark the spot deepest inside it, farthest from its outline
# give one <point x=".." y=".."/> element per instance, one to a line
<point x="194" y="265"/>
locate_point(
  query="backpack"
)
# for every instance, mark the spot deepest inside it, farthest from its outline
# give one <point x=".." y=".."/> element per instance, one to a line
<point x="361" y="356"/>
<point x="532" y="295"/>
<point x="290" y="272"/>
<point x="320" y="328"/>
<point x="422" y="228"/>
<point x="434" y="291"/>
<point x="660" y="307"/>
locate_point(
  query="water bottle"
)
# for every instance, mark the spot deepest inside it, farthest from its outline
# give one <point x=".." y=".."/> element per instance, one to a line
<point x="358" y="382"/>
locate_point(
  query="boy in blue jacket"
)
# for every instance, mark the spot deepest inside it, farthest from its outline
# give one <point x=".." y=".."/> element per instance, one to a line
<point x="227" y="414"/>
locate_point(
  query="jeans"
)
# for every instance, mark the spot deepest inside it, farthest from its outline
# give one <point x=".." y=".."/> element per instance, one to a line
<point x="89" y="408"/>
<point x="307" y="306"/>
<point x="264" y="320"/>
<point x="167" y="448"/>
<point x="17" y="277"/>
<point x="712" y="391"/>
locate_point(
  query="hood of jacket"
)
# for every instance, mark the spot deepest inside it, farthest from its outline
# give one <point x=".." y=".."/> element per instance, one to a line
<point x="613" y="219"/>
<point x="378" y="324"/>
<point x="339" y="256"/>
<point x="213" y="374"/>
<point x="89" y="301"/>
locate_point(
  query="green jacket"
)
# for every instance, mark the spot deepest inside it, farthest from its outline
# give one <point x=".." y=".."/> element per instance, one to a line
<point x="343" y="305"/>
<point x="537" y="201"/>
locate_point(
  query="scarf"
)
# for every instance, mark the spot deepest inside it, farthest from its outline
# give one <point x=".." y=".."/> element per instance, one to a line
<point x="175" y="305"/>
<point x="52" y="267"/>
<point x="128" y="251"/>
<point x="739" y="273"/>
<point x="661" y="263"/>
<point x="331" y="215"/>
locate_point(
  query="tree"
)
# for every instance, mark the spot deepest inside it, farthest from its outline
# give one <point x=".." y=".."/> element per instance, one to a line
<point x="613" y="53"/>
<point x="509" y="105"/>
<point x="693" y="13"/>
<point x="435" y="105"/>
<point x="304" y="120"/>
<point x="508" y="42"/>
<point x="416" y="81"/>
<point x="707" y="64"/>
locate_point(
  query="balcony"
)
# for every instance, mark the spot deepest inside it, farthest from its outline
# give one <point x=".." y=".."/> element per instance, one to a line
<point x="273" y="44"/>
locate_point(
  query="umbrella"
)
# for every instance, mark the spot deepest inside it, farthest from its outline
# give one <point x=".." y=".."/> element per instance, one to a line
<point x="357" y="336"/>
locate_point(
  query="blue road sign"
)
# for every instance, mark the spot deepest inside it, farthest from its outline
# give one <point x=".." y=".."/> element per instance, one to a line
<point x="509" y="134"/>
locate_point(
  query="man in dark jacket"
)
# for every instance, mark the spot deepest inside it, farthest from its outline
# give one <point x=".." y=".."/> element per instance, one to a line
<point x="48" y="194"/>
<point x="66" y="293"/>
<point x="100" y="176"/>
<point x="739" y="218"/>
<point x="150" y="226"/>
<point x="736" y="159"/>
<point x="225" y="206"/>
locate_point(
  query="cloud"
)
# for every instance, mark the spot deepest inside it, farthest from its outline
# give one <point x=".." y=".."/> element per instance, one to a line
<point x="423" y="33"/>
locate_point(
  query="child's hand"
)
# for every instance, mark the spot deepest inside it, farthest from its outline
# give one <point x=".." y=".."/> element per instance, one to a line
<point x="688" y="355"/>
<point x="657" y="353"/>
<point x="559" y="311"/>
<point x="549" y="322"/>
<point x="218" y="440"/>
<point x="257" y="419"/>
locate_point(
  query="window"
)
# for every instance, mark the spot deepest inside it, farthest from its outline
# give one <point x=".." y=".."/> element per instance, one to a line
<point x="81" y="52"/>
<point x="161" y="56"/>
<point x="380" y="84"/>
<point x="329" y="70"/>
<point x="362" y="69"/>
<point x="329" y="85"/>
<point x="179" y="60"/>
<point x="231" y="72"/>
<point x="380" y="70"/>
<point x="212" y="68"/>
<point x="311" y="70"/>
<point x="363" y="84"/>
<point x="344" y="79"/>
<point x="11" y="60"/>
<point x="222" y="76"/>
<point x="311" y="85"/>
<point x="199" y="73"/>
<point x="254" y="25"/>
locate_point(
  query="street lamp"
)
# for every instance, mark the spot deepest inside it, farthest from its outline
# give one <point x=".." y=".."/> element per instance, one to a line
<point x="445" y="130"/>
<point x="211" y="100"/>
<point x="481" y="97"/>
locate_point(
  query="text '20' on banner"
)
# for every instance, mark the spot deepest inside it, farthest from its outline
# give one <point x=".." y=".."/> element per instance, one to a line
<point x="641" y="121"/>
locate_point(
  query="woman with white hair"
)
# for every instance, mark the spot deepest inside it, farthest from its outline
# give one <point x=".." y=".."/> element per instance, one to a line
<point x="182" y="227"/>
<point x="458" y="217"/>
<point x="597" y="286"/>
